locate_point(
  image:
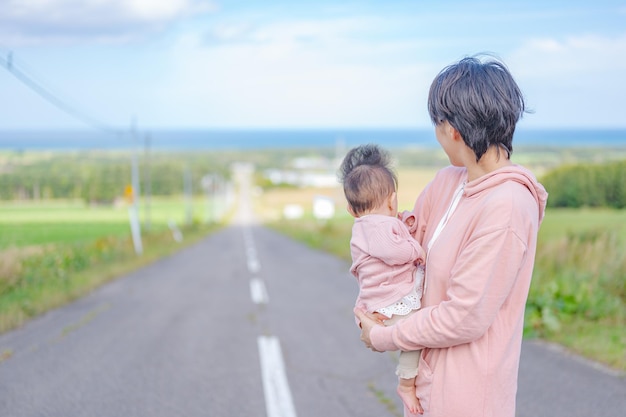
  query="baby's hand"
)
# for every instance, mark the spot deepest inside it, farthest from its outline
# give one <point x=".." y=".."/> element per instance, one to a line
<point x="380" y="317"/>
<point x="409" y="219"/>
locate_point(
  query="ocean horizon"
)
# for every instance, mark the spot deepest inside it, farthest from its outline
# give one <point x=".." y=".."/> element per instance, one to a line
<point x="251" y="139"/>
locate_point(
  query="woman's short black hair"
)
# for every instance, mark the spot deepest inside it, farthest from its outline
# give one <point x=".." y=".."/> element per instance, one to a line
<point x="480" y="99"/>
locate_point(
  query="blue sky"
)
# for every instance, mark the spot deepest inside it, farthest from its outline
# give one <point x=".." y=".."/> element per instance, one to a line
<point x="302" y="64"/>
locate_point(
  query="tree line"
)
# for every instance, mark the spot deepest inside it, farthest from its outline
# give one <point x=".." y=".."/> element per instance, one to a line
<point x="587" y="185"/>
<point x="101" y="178"/>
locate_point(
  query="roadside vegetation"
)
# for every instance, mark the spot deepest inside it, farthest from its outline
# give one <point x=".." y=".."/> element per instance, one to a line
<point x="54" y="252"/>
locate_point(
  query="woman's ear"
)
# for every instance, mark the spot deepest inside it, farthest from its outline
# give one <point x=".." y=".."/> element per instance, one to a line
<point x="454" y="134"/>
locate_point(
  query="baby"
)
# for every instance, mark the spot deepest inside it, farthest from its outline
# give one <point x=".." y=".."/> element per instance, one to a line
<point x="386" y="260"/>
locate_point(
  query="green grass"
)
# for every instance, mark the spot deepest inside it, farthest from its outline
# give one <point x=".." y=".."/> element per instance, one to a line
<point x="561" y="221"/>
<point x="57" y="274"/>
<point x="51" y="222"/>
<point x="26" y="234"/>
<point x="578" y="294"/>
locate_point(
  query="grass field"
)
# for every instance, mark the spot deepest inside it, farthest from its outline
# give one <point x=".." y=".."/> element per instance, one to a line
<point x="561" y="221"/>
<point x="52" y="252"/>
<point x="49" y="222"/>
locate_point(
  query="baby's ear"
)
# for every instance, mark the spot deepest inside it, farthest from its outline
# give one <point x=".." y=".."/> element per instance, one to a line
<point x="350" y="210"/>
<point x="391" y="199"/>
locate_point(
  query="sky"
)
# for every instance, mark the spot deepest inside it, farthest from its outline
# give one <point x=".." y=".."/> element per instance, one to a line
<point x="211" y="64"/>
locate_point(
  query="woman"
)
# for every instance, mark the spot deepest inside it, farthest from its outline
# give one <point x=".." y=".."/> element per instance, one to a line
<point x="478" y="220"/>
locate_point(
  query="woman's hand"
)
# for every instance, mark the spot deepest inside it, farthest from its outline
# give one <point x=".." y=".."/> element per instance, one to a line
<point x="368" y="321"/>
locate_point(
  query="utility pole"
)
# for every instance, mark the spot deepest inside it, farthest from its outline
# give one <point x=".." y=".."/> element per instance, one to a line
<point x="133" y="209"/>
<point x="148" y="182"/>
<point x="188" y="194"/>
<point x="206" y="183"/>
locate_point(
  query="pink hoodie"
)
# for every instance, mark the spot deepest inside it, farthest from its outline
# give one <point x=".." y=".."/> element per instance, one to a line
<point x="384" y="260"/>
<point x="478" y="273"/>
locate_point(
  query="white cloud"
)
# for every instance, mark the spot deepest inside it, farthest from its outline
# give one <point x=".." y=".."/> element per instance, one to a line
<point x="291" y="31"/>
<point x="262" y="65"/>
<point x="298" y="74"/>
<point x="51" y="21"/>
<point x="574" y="81"/>
<point x="549" y="57"/>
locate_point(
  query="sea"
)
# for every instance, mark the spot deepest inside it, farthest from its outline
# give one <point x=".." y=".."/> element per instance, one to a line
<point x="232" y="139"/>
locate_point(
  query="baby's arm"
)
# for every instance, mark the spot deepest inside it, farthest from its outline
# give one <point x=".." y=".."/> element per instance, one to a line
<point x="392" y="243"/>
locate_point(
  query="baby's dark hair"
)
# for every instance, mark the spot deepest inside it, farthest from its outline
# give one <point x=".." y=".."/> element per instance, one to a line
<point x="367" y="177"/>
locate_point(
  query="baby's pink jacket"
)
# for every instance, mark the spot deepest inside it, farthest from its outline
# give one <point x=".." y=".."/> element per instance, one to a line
<point x="478" y="273"/>
<point x="384" y="258"/>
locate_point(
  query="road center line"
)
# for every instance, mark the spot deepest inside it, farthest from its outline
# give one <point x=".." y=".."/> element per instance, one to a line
<point x="258" y="291"/>
<point x="253" y="265"/>
<point x="252" y="259"/>
<point x="278" y="402"/>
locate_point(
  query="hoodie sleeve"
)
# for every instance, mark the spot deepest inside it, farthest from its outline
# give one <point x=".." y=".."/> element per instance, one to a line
<point x="482" y="280"/>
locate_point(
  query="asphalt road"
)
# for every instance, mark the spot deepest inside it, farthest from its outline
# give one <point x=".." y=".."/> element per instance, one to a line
<point x="245" y="323"/>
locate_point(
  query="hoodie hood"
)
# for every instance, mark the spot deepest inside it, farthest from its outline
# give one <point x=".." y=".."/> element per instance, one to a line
<point x="511" y="173"/>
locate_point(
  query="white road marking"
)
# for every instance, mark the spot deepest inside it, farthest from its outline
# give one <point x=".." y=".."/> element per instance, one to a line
<point x="253" y="265"/>
<point x="258" y="291"/>
<point x="278" y="402"/>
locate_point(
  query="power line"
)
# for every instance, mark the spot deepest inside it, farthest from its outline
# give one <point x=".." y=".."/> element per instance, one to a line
<point x="57" y="102"/>
<point x="9" y="64"/>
